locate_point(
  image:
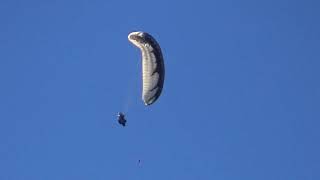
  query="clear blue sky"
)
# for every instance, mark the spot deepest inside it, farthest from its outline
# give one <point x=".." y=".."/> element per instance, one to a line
<point x="241" y="99"/>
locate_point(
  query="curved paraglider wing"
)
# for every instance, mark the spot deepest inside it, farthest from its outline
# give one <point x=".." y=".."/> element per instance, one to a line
<point x="152" y="66"/>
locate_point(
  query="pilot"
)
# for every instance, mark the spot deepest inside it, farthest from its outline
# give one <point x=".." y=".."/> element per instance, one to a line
<point x="121" y="119"/>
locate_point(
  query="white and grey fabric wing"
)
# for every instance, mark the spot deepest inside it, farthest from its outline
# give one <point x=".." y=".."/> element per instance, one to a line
<point x="153" y="70"/>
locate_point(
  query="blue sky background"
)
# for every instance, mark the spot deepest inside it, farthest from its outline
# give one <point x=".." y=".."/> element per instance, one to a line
<point x="241" y="96"/>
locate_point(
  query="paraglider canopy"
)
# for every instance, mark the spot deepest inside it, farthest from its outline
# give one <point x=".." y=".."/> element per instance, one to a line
<point x="152" y="66"/>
